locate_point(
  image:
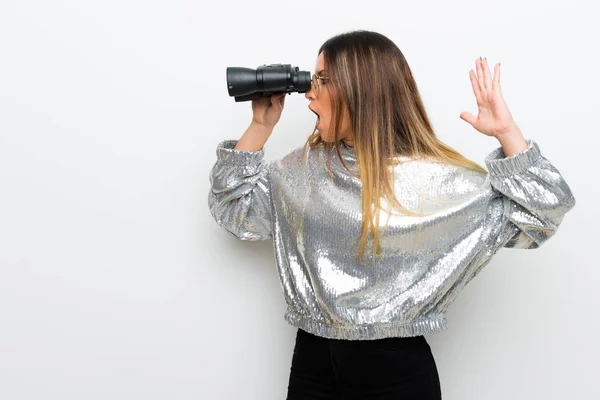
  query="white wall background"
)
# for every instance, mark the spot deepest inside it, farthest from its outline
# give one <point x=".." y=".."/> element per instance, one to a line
<point x="115" y="282"/>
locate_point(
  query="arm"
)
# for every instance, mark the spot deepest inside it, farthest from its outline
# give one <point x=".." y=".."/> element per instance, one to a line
<point x="240" y="194"/>
<point x="239" y="199"/>
<point x="536" y="197"/>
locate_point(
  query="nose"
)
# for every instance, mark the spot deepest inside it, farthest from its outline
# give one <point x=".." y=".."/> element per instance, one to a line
<point x="310" y="94"/>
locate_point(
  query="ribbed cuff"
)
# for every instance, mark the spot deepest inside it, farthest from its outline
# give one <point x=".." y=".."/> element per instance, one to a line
<point x="498" y="164"/>
<point x="226" y="153"/>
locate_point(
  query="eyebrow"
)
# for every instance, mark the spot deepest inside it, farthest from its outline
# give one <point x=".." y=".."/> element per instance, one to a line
<point x="321" y="71"/>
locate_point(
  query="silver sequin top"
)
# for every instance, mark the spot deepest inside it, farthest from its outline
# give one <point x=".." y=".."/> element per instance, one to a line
<point x="315" y="224"/>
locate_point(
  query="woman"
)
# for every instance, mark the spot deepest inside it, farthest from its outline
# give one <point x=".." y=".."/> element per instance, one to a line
<point x="378" y="225"/>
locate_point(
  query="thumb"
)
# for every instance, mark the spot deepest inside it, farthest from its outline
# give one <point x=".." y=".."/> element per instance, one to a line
<point x="468" y="117"/>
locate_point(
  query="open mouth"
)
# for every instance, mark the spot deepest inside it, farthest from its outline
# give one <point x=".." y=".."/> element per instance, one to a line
<point x="318" y="117"/>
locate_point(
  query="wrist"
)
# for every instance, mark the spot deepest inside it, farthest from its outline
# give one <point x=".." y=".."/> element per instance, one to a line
<point x="254" y="138"/>
<point x="511" y="132"/>
<point x="512" y="141"/>
<point x="260" y="129"/>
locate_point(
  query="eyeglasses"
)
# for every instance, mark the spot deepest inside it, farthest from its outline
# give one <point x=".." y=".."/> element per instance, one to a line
<point x="317" y="81"/>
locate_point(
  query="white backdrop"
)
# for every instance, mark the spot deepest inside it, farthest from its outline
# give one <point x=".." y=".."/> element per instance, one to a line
<point x="116" y="283"/>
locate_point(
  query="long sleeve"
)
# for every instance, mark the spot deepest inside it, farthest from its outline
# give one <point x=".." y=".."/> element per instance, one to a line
<point x="239" y="197"/>
<point x="535" y="196"/>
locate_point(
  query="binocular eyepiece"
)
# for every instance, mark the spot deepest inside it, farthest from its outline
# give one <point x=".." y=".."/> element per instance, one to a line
<point x="248" y="84"/>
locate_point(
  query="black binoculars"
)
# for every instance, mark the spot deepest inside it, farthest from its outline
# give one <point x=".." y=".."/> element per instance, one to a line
<point x="248" y="84"/>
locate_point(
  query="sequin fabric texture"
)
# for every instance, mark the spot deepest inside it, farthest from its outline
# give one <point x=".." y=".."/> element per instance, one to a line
<point x="314" y="220"/>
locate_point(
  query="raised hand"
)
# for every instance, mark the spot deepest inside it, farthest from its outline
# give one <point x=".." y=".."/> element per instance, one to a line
<point x="494" y="117"/>
<point x="267" y="110"/>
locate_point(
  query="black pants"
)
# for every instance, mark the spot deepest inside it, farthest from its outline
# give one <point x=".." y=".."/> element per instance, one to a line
<point x="391" y="368"/>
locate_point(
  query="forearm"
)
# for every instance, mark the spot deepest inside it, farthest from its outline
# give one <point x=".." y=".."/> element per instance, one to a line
<point x="512" y="141"/>
<point x="254" y="138"/>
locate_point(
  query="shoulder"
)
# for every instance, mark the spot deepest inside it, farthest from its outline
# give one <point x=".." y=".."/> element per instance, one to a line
<point x="440" y="180"/>
<point x="298" y="157"/>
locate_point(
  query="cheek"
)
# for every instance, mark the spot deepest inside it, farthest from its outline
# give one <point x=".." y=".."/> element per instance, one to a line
<point x="325" y="115"/>
<point x="325" y="121"/>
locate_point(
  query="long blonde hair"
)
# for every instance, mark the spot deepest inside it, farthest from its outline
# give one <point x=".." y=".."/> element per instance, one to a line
<point x="371" y="82"/>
